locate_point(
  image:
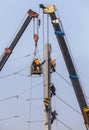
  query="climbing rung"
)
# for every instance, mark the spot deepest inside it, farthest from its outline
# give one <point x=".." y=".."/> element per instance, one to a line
<point x="59" y="33"/>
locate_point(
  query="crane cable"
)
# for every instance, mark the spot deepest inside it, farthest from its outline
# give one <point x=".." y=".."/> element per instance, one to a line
<point x="43" y="52"/>
<point x="35" y="33"/>
<point x="47" y="28"/>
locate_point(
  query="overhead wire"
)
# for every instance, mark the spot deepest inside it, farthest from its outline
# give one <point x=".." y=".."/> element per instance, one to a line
<point x="14" y="72"/>
<point x="29" y="99"/>
<point x="71" y="85"/>
<point x="64" y="79"/>
<point x="39" y="98"/>
<point x="19" y="115"/>
<point x="64" y="124"/>
<point x="13" y="117"/>
<point x="25" y="56"/>
<point x="86" y="76"/>
<point x="36" y="121"/>
<point x="18" y="72"/>
<point x="18" y="95"/>
<point x="68" y="105"/>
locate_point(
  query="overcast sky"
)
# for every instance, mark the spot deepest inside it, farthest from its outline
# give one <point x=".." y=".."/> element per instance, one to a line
<point x="15" y="89"/>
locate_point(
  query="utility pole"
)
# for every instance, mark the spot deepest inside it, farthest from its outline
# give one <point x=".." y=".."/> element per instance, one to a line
<point x="47" y="98"/>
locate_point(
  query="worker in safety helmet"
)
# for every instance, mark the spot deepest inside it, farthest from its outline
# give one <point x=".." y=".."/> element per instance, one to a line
<point x="52" y="89"/>
<point x="53" y="114"/>
<point x="37" y="64"/>
<point x="53" y="65"/>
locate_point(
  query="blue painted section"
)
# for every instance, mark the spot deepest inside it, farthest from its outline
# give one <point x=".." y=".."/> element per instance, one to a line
<point x="59" y="32"/>
<point x="74" y="76"/>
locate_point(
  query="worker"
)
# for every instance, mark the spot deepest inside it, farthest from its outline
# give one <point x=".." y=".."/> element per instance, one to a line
<point x="54" y="114"/>
<point x="37" y="65"/>
<point x="52" y="89"/>
<point x="53" y="65"/>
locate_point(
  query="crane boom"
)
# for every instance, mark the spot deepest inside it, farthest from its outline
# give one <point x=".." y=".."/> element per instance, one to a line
<point x="8" y="51"/>
<point x="68" y="61"/>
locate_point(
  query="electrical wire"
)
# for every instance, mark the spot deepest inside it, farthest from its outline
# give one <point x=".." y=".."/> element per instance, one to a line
<point x="64" y="124"/>
<point x="63" y="78"/>
<point x="39" y="121"/>
<point x="13" y="117"/>
<point x="8" y="98"/>
<point x="19" y="115"/>
<point x="29" y="99"/>
<point x="71" y="85"/>
<point x="17" y="72"/>
<point x="18" y="95"/>
<point x="14" y="73"/>
<point x="68" y="104"/>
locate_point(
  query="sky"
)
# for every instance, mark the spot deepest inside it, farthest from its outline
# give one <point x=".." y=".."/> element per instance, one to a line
<point x="17" y="87"/>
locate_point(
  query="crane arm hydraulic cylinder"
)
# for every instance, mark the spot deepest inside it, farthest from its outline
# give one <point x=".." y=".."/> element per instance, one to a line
<point x="8" y="51"/>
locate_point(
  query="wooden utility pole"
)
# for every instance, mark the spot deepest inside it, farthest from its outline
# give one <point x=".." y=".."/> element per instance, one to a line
<point x="47" y="98"/>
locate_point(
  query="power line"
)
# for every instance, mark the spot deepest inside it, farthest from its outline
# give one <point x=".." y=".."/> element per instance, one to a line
<point x="20" y="115"/>
<point x="17" y="95"/>
<point x="25" y="56"/>
<point x="14" y="72"/>
<point x="64" y="124"/>
<point x="68" y="104"/>
<point x="64" y="79"/>
<point x="8" y="98"/>
<point x="30" y="99"/>
<point x="39" y="121"/>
